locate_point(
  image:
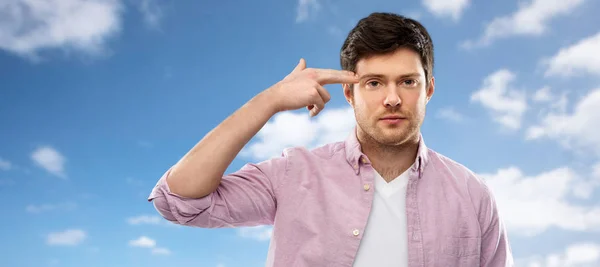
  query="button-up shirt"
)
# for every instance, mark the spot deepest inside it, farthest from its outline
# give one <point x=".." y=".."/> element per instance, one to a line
<point x="319" y="200"/>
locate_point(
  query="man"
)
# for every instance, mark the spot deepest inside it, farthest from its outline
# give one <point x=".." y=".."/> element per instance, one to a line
<point x="379" y="198"/>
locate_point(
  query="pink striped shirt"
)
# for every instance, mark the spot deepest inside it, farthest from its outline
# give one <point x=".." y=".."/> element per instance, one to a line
<point x="318" y="202"/>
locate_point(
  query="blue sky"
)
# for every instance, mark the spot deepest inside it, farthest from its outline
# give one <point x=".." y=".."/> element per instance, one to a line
<point x="98" y="98"/>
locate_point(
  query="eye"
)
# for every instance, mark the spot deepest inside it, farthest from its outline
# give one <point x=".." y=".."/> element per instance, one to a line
<point x="410" y="83"/>
<point x="373" y="83"/>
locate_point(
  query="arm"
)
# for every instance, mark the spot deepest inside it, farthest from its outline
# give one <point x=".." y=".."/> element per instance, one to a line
<point x="195" y="191"/>
<point x="495" y="247"/>
<point x="199" y="172"/>
<point x="243" y="198"/>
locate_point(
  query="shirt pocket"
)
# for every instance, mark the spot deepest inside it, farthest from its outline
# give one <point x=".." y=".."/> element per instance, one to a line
<point x="462" y="246"/>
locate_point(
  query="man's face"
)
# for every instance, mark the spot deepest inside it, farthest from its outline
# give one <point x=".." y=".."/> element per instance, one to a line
<point x="389" y="101"/>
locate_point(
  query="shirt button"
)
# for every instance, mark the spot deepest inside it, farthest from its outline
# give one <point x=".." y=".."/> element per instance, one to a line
<point x="364" y="160"/>
<point x="356" y="166"/>
<point x="366" y="187"/>
<point x="355" y="232"/>
<point x="415" y="237"/>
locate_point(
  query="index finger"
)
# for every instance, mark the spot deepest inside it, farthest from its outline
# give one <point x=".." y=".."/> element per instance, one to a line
<point x="330" y="76"/>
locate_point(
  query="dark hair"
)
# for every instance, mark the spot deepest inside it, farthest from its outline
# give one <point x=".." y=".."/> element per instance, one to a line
<point x="381" y="33"/>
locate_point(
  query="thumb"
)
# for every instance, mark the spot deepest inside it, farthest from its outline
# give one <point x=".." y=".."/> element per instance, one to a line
<point x="301" y="66"/>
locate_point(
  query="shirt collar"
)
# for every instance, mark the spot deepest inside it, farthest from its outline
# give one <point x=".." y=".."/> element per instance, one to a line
<point x="355" y="157"/>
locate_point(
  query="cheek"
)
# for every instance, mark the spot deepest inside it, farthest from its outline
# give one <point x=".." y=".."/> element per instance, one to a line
<point x="365" y="102"/>
<point x="415" y="101"/>
<point x="373" y="101"/>
<point x="364" y="111"/>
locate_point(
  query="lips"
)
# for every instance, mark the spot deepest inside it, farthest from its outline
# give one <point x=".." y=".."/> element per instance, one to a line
<point x="392" y="117"/>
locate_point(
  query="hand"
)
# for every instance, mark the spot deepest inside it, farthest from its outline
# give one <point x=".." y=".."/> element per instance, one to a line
<point x="304" y="88"/>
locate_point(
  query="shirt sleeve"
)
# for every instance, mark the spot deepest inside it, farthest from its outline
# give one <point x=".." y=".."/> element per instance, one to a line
<point x="243" y="198"/>
<point x="495" y="247"/>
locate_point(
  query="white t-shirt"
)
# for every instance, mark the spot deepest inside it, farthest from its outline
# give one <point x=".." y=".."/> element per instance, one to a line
<point x="384" y="241"/>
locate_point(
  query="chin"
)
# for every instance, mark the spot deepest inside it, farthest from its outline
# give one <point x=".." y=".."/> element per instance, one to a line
<point x="393" y="140"/>
<point x="391" y="136"/>
<point x="397" y="135"/>
<point x="388" y="135"/>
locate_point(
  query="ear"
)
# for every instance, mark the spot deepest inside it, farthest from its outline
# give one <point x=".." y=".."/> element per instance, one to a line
<point x="430" y="89"/>
<point x="348" y="93"/>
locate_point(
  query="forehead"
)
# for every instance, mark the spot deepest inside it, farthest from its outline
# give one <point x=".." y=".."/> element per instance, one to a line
<point x="401" y="61"/>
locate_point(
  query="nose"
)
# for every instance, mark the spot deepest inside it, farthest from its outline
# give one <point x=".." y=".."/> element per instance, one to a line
<point x="392" y="99"/>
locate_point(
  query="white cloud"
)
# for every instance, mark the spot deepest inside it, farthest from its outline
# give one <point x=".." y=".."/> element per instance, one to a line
<point x="143" y="241"/>
<point x="70" y="237"/>
<point x="506" y="104"/>
<point x="532" y="204"/>
<point x="149" y="243"/>
<point x="553" y="102"/>
<point x="50" y="159"/>
<point x="290" y="129"/>
<point x="151" y="12"/>
<point x="575" y="130"/>
<point x="414" y="14"/>
<point x="531" y="19"/>
<point x="449" y="113"/>
<point x="596" y="171"/>
<point x="144" y="219"/>
<point x="259" y="233"/>
<point x="577" y="59"/>
<point x="306" y="8"/>
<point x="50" y="207"/>
<point x="545" y="101"/>
<point x="161" y="251"/>
<point x="575" y="255"/>
<point x="5" y="165"/>
<point x="543" y="95"/>
<point x="27" y="26"/>
<point x="535" y="132"/>
<point x="150" y="220"/>
<point x="446" y="8"/>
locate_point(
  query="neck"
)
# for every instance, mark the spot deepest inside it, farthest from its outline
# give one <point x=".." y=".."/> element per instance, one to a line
<point x="389" y="160"/>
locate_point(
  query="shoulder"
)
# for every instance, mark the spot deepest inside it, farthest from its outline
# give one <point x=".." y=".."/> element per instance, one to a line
<point x="475" y="186"/>
<point x="320" y="152"/>
<point x="471" y="187"/>
<point x="297" y="157"/>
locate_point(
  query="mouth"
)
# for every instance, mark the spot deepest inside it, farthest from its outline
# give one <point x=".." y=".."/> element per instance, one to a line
<point x="392" y="119"/>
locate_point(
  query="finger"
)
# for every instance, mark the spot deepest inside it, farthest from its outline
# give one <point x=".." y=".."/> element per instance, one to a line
<point x="329" y="76"/>
<point x="313" y="111"/>
<point x="325" y="97"/>
<point x="301" y="66"/>
<point x="319" y="104"/>
<point x="323" y="93"/>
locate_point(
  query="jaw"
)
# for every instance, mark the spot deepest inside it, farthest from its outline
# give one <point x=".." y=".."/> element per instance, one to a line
<point x="394" y="134"/>
<point x="375" y="132"/>
<point x="379" y="134"/>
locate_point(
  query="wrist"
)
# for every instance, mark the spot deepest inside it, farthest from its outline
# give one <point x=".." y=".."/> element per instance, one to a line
<point x="267" y="101"/>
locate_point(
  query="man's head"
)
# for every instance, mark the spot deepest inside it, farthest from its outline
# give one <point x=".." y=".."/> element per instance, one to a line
<point x="393" y="56"/>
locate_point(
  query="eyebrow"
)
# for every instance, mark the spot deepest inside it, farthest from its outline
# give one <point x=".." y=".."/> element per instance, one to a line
<point x="375" y="75"/>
